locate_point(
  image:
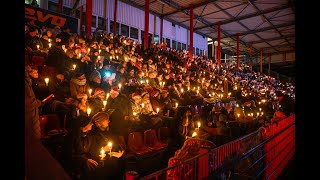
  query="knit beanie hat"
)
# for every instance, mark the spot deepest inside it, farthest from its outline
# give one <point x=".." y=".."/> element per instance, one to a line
<point x="100" y="116"/>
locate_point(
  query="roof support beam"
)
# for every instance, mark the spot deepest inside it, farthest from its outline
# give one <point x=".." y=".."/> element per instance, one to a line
<point x="273" y="39"/>
<point x="186" y="8"/>
<point x="246" y="16"/>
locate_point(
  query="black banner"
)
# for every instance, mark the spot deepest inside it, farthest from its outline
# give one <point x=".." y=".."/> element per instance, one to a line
<point x="50" y="19"/>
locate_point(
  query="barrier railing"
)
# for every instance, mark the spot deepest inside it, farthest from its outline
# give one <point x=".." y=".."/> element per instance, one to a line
<point x="261" y="154"/>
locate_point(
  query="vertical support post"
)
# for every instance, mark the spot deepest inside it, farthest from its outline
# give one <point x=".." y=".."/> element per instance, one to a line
<point x="115" y="17"/>
<point x="60" y="5"/>
<point x="146" y="24"/>
<point x="219" y="40"/>
<point x="237" y="66"/>
<point x="88" y="16"/>
<point x="251" y="61"/>
<point x="191" y="33"/>
<point x="161" y="29"/>
<point x="260" y="60"/>
<point x="269" y="62"/>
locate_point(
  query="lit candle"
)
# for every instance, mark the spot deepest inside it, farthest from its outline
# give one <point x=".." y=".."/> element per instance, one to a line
<point x="38" y="46"/>
<point x="47" y="81"/>
<point x="261" y="113"/>
<point x="197" y="91"/>
<point x="88" y="50"/>
<point x="199" y="124"/>
<point x="134" y="113"/>
<point x="107" y="95"/>
<point x="194" y="134"/>
<point x="177" y="104"/>
<point x="182" y="90"/>
<point x="257" y="113"/>
<point x="49" y="45"/>
<point x="102" y="154"/>
<point x="117" y="57"/>
<point x="252" y="114"/>
<point x="104" y="103"/>
<point x="49" y="40"/>
<point x="65" y="51"/>
<point x="120" y="85"/>
<point x="147" y="81"/>
<point x="142" y="105"/>
<point x="260" y="109"/>
<point x="74" y="66"/>
<point x="99" y="51"/>
<point x="110" y="57"/>
<point x="188" y="88"/>
<point x="158" y="109"/>
<point x="110" y="146"/>
<point x="90" y="91"/>
<point x="238" y="115"/>
<point x="88" y="111"/>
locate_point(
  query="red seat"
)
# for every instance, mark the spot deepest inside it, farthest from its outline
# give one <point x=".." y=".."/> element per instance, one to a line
<point x="136" y="145"/>
<point x="151" y="140"/>
<point x="38" y="60"/>
<point x="50" y="124"/>
<point x="163" y="134"/>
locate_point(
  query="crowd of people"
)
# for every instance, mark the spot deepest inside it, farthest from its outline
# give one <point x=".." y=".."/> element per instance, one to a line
<point x="107" y="85"/>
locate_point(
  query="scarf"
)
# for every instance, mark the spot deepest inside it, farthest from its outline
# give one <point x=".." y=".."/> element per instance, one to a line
<point x="79" y="82"/>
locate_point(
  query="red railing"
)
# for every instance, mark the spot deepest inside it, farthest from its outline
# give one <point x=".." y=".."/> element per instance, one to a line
<point x="275" y="145"/>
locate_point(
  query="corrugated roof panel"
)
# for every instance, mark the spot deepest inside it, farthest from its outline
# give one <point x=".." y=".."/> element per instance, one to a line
<point x="283" y="19"/>
<point x="250" y="37"/>
<point x="263" y="6"/>
<point x="228" y="4"/>
<point x="220" y="16"/>
<point x="233" y="28"/>
<point x="140" y="2"/>
<point x="249" y="9"/>
<point x="200" y="10"/>
<point x="236" y="10"/>
<point x="186" y="3"/>
<point x="252" y="23"/>
<point x="260" y="45"/>
<point x="268" y="34"/>
<point x="210" y="9"/>
<point x="276" y="42"/>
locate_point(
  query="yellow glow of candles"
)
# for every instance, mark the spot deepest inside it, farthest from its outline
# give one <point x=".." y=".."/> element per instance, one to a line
<point x="261" y="113"/>
<point x="99" y="51"/>
<point x="47" y="81"/>
<point x="229" y="94"/>
<point x="120" y="85"/>
<point x="147" y="81"/>
<point x="260" y="109"/>
<point x="142" y="105"/>
<point x="65" y="51"/>
<point x="134" y="113"/>
<point x="252" y="114"/>
<point x="117" y="57"/>
<point x="49" y="40"/>
<point x="107" y="95"/>
<point x="158" y="109"/>
<point x="102" y="154"/>
<point x="197" y="92"/>
<point x="215" y="85"/>
<point x="163" y="83"/>
<point x="89" y="111"/>
<point x="238" y="115"/>
<point x="248" y="114"/>
<point x="258" y="113"/>
<point x="90" y="91"/>
<point x="38" y="46"/>
<point x="110" y="146"/>
<point x="98" y="57"/>
<point x="263" y="100"/>
<point x="79" y="55"/>
<point x="104" y="103"/>
<point x="142" y="73"/>
<point x="198" y="87"/>
<point x="188" y="88"/>
<point x="259" y="102"/>
<point x="74" y="66"/>
<point x="194" y="134"/>
<point x="88" y="50"/>
<point x="237" y="105"/>
<point x="182" y="90"/>
<point x="199" y="124"/>
<point x="110" y="57"/>
<point x="49" y="45"/>
<point x="177" y="104"/>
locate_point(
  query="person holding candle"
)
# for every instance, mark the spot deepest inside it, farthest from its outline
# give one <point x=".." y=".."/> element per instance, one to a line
<point x="78" y="85"/>
<point x="96" y="100"/>
<point x="32" y="105"/>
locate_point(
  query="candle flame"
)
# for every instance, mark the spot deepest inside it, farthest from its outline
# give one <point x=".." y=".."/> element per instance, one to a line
<point x="194" y="134"/>
<point x="88" y="111"/>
